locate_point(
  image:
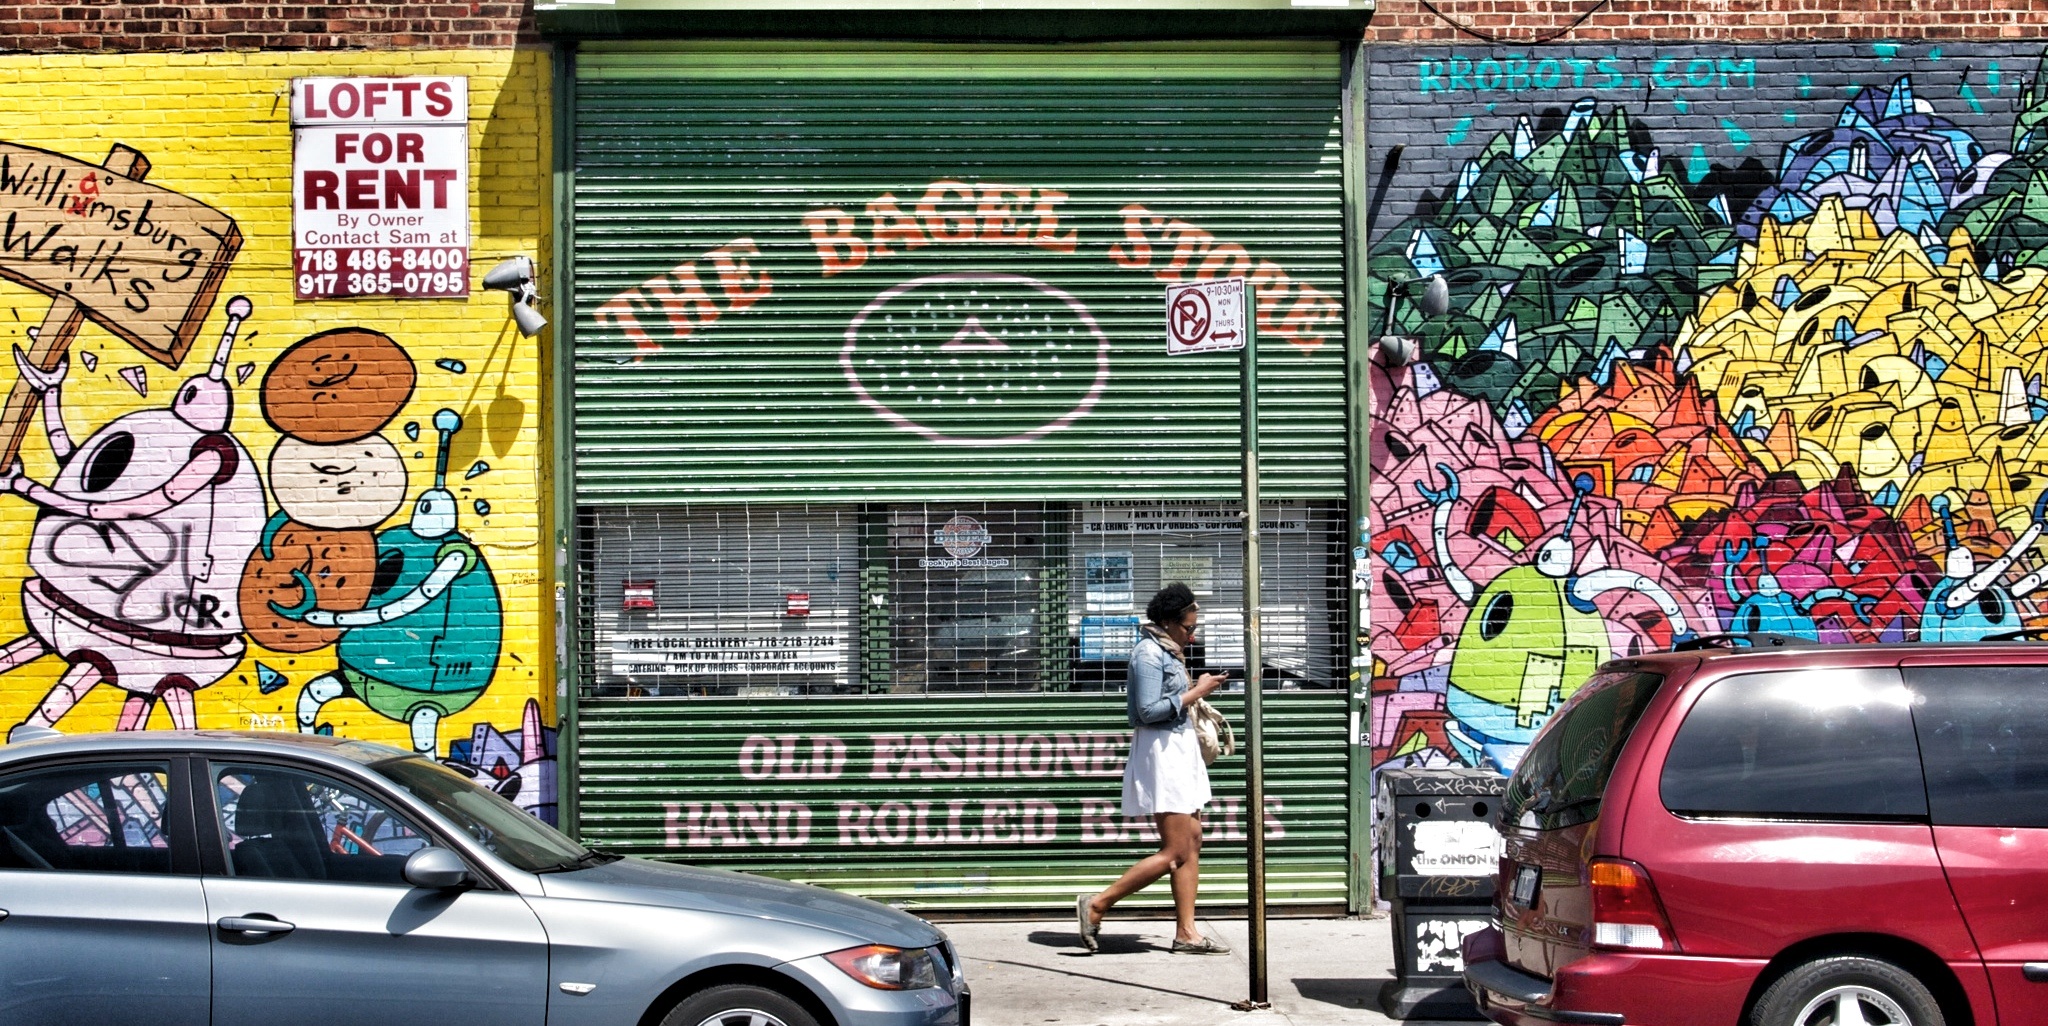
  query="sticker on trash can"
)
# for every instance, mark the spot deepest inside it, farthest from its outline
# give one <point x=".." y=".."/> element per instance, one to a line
<point x="1438" y="942"/>
<point x="1452" y="848"/>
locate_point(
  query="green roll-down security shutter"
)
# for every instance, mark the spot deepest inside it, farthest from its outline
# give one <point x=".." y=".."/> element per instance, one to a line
<point x="890" y="274"/>
<point x="886" y="273"/>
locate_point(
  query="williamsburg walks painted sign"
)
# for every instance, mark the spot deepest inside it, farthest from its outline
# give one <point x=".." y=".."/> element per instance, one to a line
<point x="143" y="261"/>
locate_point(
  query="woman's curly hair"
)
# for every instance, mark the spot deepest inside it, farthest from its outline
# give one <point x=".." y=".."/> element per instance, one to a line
<point x="1172" y="601"/>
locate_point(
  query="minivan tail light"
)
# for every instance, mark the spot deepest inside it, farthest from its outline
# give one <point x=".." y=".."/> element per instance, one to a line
<point x="1626" y="912"/>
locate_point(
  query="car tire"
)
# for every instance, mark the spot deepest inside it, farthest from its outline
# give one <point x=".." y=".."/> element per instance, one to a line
<point x="738" y="1004"/>
<point x="1813" y="994"/>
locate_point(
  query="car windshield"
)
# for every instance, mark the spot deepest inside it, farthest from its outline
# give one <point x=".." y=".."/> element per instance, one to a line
<point x="493" y="822"/>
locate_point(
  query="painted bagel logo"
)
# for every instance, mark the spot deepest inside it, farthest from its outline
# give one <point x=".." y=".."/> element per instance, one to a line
<point x="960" y="358"/>
<point x="962" y="537"/>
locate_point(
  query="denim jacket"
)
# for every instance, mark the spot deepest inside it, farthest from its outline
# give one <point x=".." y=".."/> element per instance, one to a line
<point x="1153" y="686"/>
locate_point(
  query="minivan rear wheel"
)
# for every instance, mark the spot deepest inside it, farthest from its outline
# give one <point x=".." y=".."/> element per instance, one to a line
<point x="1847" y="990"/>
<point x="738" y="1004"/>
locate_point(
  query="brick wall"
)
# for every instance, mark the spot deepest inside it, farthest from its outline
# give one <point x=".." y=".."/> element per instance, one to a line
<point x="1531" y="21"/>
<point x="126" y="26"/>
<point x="77" y="25"/>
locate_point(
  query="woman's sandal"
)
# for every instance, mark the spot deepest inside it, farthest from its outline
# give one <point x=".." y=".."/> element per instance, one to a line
<point x="1085" y="923"/>
<point x="1205" y="946"/>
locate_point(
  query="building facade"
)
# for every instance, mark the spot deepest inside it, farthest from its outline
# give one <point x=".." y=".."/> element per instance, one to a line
<point x="815" y="524"/>
<point x="879" y="447"/>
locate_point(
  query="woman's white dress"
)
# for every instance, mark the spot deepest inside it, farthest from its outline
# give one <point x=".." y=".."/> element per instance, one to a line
<point x="1165" y="772"/>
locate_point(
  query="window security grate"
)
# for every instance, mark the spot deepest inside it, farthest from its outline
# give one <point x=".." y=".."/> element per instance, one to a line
<point x="940" y="598"/>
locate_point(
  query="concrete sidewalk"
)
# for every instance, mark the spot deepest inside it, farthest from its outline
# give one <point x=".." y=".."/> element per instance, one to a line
<point x="1319" y="972"/>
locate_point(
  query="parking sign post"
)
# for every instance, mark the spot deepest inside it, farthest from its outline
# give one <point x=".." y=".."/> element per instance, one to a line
<point x="1210" y="316"/>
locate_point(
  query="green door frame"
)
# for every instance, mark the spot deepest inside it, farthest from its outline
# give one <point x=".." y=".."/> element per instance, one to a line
<point x="1358" y="484"/>
<point x="562" y="451"/>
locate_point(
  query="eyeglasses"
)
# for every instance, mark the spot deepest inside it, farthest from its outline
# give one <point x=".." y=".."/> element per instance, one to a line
<point x="1191" y="629"/>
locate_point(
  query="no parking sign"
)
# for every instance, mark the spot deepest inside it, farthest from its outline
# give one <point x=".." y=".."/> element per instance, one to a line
<point x="1204" y="316"/>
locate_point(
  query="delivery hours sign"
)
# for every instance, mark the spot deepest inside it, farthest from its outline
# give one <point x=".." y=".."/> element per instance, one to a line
<point x="380" y="187"/>
<point x="1203" y="316"/>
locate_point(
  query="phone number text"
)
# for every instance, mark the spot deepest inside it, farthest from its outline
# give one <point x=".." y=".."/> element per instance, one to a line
<point x="404" y="272"/>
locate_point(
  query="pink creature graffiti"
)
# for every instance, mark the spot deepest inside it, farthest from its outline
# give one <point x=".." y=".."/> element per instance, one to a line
<point x="1508" y="584"/>
<point x="519" y="765"/>
<point x="1821" y="563"/>
<point x="139" y="547"/>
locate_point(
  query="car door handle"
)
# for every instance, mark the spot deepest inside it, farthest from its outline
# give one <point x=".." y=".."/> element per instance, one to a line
<point x="2035" y="972"/>
<point x="3" y="915"/>
<point x="254" y="924"/>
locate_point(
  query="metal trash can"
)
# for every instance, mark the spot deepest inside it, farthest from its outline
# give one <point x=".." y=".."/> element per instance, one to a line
<point x="1439" y="856"/>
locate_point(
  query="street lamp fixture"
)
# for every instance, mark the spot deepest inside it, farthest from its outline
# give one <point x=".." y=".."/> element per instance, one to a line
<point x="514" y="275"/>
<point x="1401" y="350"/>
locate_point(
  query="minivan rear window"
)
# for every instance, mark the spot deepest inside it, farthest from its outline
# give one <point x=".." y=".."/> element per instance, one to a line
<point x="1816" y="744"/>
<point x="1565" y="770"/>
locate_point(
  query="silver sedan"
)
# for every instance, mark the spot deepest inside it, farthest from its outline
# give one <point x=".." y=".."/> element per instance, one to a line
<point x="210" y="878"/>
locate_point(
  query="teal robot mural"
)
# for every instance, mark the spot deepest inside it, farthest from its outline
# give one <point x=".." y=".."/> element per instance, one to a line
<point x="1971" y="604"/>
<point x="426" y="644"/>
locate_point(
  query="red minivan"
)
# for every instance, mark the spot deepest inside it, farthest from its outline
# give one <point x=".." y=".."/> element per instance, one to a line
<point x="1799" y="836"/>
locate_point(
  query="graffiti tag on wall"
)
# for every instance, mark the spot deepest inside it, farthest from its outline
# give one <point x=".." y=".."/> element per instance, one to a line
<point x="1801" y="396"/>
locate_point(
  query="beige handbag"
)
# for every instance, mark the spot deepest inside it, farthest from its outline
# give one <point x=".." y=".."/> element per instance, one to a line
<point x="1212" y="732"/>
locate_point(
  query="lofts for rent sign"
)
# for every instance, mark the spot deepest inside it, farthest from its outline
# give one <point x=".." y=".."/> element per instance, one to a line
<point x="380" y="187"/>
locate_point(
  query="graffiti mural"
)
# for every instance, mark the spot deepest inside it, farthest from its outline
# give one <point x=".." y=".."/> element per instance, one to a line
<point x="263" y="532"/>
<point x="1737" y="344"/>
<point x="138" y="545"/>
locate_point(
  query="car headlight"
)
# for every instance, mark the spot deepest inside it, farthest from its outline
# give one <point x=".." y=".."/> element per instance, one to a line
<point x="887" y="968"/>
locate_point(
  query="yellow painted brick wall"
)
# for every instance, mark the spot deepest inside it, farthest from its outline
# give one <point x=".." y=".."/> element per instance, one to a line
<point x="215" y="127"/>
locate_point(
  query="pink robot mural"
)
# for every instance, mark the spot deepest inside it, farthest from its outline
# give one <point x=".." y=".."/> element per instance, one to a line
<point x="139" y="548"/>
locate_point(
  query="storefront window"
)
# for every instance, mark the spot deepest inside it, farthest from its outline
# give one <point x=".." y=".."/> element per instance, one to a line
<point x="721" y="600"/>
<point x="967" y="594"/>
<point x="942" y="598"/>
<point x="1124" y="552"/>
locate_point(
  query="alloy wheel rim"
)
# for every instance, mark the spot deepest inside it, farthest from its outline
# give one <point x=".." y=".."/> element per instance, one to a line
<point x="1852" y="1006"/>
<point x="742" y="1017"/>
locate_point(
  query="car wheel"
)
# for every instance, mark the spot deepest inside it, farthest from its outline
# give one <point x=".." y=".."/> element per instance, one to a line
<point x="738" y="1004"/>
<point x="1847" y="990"/>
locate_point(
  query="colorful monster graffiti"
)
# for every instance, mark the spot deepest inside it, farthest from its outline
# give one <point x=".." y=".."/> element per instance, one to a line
<point x="190" y="556"/>
<point x="1671" y="400"/>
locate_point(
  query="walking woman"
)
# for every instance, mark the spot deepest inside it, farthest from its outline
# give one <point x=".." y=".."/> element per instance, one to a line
<point x="1165" y="777"/>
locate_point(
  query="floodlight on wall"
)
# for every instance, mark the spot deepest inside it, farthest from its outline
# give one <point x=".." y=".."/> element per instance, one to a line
<point x="514" y="275"/>
<point x="1400" y="350"/>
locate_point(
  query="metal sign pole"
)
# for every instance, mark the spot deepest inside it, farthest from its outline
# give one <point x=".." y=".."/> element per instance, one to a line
<point x="1206" y="316"/>
<point x="1254" y="751"/>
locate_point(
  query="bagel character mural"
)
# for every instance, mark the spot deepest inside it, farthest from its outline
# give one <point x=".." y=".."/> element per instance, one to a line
<point x="412" y="610"/>
<point x="226" y="506"/>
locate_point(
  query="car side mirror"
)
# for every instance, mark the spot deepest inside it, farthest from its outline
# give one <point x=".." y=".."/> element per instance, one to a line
<point x="438" y="869"/>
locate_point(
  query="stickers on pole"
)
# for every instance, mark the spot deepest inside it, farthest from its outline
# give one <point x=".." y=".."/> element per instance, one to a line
<point x="1204" y="316"/>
